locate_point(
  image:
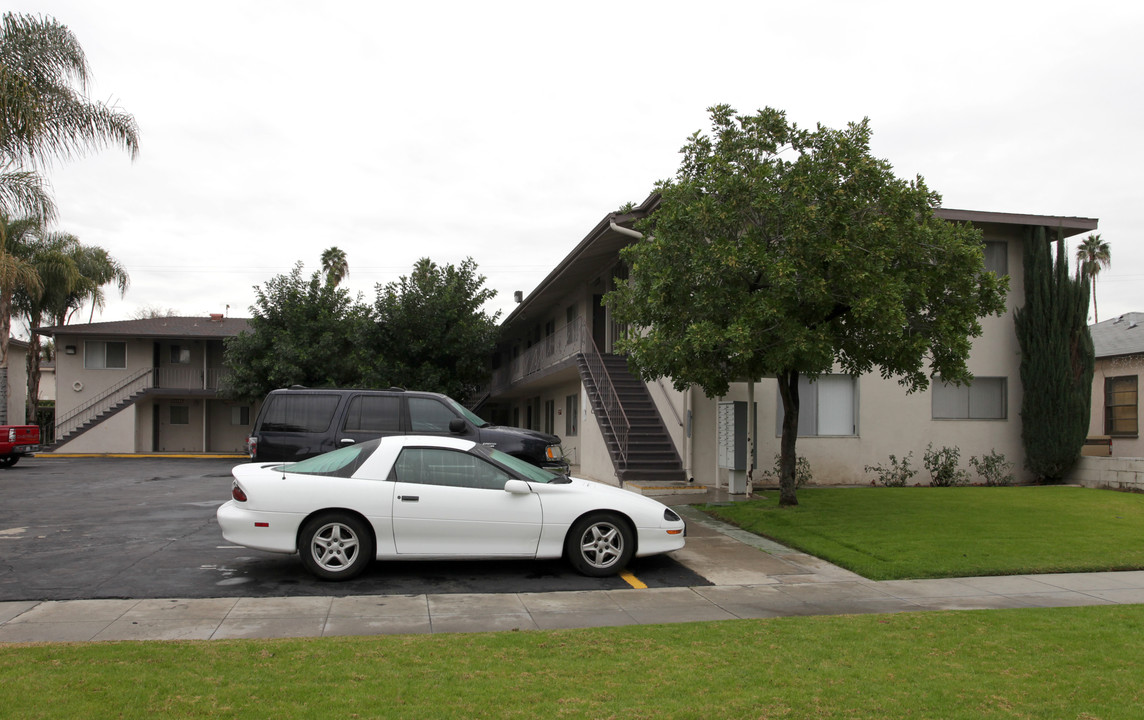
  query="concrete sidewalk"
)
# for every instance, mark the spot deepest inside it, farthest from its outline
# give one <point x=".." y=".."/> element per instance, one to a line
<point x="752" y="578"/>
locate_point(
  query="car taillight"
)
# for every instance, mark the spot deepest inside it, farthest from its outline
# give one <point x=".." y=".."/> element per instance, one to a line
<point x="252" y="447"/>
<point x="237" y="493"/>
<point x="11" y="434"/>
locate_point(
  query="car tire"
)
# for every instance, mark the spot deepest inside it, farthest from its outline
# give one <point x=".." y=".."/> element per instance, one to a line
<point x="600" y="544"/>
<point x="335" y="546"/>
<point x="9" y="460"/>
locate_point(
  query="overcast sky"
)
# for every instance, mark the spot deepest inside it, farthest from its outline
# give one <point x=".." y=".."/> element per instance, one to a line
<point x="270" y="131"/>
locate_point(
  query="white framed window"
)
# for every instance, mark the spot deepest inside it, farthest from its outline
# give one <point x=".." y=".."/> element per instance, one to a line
<point x="986" y="398"/>
<point x="828" y="407"/>
<point x="180" y="415"/>
<point x="240" y="415"/>
<point x="99" y="355"/>
<point x="180" y="355"/>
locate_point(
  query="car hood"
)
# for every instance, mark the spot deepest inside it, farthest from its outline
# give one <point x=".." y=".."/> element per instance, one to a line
<point x="502" y="430"/>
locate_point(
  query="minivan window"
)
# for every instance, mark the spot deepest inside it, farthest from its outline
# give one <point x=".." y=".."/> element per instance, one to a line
<point x="374" y="413"/>
<point x="429" y="415"/>
<point x="303" y="412"/>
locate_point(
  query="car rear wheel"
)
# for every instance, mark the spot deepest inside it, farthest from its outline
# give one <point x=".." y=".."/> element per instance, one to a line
<point x="599" y="545"/>
<point x="335" y="546"/>
<point x="9" y="460"/>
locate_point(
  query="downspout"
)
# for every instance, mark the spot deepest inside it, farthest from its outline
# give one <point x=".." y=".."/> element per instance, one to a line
<point x="625" y="231"/>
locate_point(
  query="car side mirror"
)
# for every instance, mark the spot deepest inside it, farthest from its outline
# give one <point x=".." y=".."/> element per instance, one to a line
<point x="517" y="487"/>
<point x="457" y="426"/>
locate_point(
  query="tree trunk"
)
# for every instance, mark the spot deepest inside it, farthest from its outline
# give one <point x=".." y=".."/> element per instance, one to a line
<point x="33" y="372"/>
<point x="788" y="390"/>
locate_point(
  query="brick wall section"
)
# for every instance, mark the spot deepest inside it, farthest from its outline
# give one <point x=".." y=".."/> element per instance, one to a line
<point x="1116" y="473"/>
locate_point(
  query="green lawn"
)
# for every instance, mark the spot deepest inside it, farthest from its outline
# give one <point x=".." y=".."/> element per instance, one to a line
<point x="1043" y="663"/>
<point x="894" y="533"/>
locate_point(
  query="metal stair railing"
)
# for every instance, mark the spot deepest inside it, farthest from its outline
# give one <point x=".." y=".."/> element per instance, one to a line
<point x="140" y="381"/>
<point x="609" y="398"/>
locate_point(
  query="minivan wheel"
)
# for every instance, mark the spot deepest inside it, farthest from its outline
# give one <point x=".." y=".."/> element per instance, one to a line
<point x="335" y="546"/>
<point x="599" y="545"/>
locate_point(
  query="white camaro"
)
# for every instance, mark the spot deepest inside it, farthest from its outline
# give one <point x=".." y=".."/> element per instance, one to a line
<point x="409" y="497"/>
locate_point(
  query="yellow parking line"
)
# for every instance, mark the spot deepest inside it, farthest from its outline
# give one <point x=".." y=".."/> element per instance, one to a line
<point x="632" y="580"/>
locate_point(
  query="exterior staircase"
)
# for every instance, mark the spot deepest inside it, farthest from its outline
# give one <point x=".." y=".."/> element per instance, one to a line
<point x="94" y="412"/>
<point x="638" y="441"/>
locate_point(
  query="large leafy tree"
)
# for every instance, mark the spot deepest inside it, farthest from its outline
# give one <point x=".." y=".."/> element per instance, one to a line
<point x="1092" y="256"/>
<point x="302" y="332"/>
<point x="45" y="115"/>
<point x="431" y="328"/>
<point x="1056" y="359"/>
<point x="784" y="252"/>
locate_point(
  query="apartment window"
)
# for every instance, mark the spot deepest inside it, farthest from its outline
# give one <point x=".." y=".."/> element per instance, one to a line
<point x="572" y="412"/>
<point x="997" y="257"/>
<point x="180" y="415"/>
<point x="828" y="407"/>
<point x="240" y="415"/>
<point x="180" y="355"/>
<point x="570" y="321"/>
<point x="1120" y="413"/>
<point x="982" y="399"/>
<point x="105" y="355"/>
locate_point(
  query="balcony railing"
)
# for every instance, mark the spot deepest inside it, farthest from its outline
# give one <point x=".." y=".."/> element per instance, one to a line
<point x="563" y="344"/>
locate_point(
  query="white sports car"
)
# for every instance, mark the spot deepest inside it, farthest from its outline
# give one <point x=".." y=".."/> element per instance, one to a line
<point x="408" y="497"/>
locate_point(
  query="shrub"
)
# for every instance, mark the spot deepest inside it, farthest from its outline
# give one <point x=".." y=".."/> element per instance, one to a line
<point x="993" y="469"/>
<point x="896" y="474"/>
<point x="942" y="466"/>
<point x="802" y="472"/>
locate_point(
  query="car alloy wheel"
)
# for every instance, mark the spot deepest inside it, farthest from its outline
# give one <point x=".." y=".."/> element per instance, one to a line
<point x="600" y="545"/>
<point x="335" y="546"/>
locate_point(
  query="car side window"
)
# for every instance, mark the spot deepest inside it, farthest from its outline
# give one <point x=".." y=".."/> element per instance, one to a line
<point x="299" y="413"/>
<point x="427" y="415"/>
<point x="451" y="468"/>
<point x="374" y="413"/>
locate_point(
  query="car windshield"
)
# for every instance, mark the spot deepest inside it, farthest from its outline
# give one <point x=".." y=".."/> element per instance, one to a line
<point x="466" y="413"/>
<point x="339" y="463"/>
<point x="522" y="467"/>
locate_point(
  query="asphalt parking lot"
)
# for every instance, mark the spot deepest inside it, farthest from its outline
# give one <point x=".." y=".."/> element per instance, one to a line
<point x="92" y="528"/>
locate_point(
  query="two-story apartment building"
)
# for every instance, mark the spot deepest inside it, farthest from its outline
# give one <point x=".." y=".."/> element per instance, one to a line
<point x="147" y="385"/>
<point x="555" y="371"/>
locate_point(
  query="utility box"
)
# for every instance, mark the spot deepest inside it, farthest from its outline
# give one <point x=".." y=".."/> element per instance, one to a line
<point x="732" y="441"/>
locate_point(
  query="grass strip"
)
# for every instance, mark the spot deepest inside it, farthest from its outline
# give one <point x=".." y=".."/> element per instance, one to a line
<point x="1036" y="663"/>
<point x="899" y="533"/>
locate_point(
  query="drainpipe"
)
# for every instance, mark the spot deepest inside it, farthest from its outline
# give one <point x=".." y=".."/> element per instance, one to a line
<point x="625" y="231"/>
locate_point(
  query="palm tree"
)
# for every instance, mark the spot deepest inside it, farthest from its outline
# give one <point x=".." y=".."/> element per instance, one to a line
<point x="1092" y="255"/>
<point x="335" y="265"/>
<point x="15" y="272"/>
<point x="51" y="255"/>
<point x="44" y="115"/>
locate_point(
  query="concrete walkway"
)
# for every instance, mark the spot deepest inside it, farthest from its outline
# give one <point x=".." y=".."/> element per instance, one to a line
<point x="752" y="578"/>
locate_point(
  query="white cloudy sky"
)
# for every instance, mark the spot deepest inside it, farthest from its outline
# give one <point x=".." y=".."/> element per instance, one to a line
<point x="504" y="131"/>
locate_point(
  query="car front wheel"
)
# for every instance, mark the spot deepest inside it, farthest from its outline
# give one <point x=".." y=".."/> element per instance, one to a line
<point x="335" y="546"/>
<point x="599" y="545"/>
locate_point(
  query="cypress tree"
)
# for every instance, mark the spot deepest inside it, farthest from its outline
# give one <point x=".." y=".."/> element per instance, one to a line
<point x="1056" y="359"/>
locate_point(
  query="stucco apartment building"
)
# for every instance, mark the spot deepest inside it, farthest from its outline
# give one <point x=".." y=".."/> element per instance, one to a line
<point x="554" y="370"/>
<point x="147" y="385"/>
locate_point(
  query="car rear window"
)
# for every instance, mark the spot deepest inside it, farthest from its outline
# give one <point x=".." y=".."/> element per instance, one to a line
<point x="342" y="462"/>
<point x="299" y="413"/>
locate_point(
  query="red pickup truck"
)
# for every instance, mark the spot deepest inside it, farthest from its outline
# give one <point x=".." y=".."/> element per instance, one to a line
<point x="17" y="441"/>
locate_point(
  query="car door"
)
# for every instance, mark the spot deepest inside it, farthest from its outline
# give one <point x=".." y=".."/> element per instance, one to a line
<point x="430" y="416"/>
<point x="452" y="503"/>
<point x="369" y="416"/>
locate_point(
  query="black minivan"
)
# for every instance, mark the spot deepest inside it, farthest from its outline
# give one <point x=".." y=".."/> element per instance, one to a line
<point x="298" y="423"/>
